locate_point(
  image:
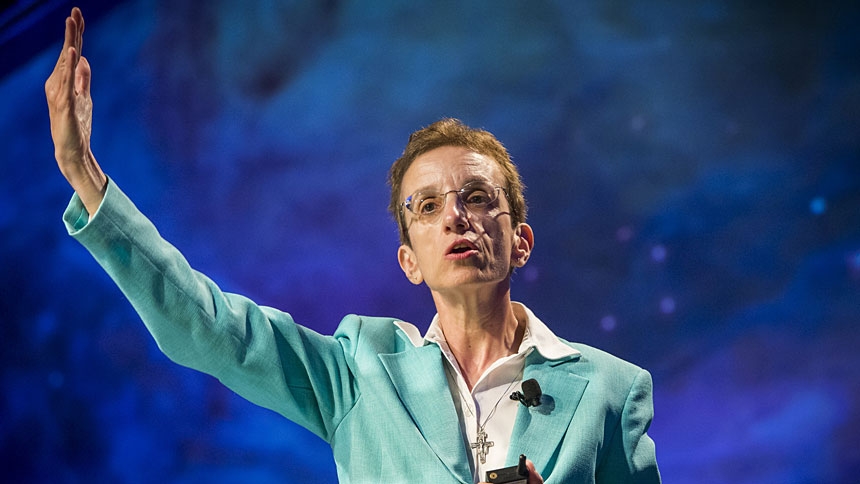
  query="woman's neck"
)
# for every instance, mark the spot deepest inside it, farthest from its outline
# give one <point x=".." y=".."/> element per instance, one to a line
<point x="479" y="329"/>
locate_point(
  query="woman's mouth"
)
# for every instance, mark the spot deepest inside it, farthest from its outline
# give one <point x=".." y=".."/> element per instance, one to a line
<point x="461" y="249"/>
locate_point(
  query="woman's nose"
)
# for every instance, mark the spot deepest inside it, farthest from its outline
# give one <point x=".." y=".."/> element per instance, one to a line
<point x="454" y="211"/>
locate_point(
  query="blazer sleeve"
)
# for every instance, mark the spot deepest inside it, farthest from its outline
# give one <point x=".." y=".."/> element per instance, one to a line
<point x="631" y="457"/>
<point x="258" y="352"/>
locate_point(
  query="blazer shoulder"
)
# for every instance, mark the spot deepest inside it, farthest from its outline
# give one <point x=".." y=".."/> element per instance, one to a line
<point x="611" y="378"/>
<point x="597" y="360"/>
<point x="371" y="333"/>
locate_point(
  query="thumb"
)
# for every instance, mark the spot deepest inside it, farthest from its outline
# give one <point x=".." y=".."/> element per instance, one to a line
<point x="534" y="476"/>
<point x="83" y="76"/>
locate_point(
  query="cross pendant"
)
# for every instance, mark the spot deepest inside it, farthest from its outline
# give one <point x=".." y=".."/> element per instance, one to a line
<point x="483" y="445"/>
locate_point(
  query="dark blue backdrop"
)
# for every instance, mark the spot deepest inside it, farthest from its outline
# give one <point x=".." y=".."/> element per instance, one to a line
<point x="692" y="171"/>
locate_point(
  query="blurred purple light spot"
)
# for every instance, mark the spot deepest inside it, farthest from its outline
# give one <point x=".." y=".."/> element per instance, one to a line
<point x="530" y="273"/>
<point x="608" y="323"/>
<point x="658" y="253"/>
<point x="624" y="233"/>
<point x="667" y="305"/>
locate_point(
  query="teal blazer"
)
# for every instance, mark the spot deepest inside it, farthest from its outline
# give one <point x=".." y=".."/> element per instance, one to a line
<point x="382" y="403"/>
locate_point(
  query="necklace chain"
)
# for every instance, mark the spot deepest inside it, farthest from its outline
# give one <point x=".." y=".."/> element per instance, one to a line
<point x="482" y="445"/>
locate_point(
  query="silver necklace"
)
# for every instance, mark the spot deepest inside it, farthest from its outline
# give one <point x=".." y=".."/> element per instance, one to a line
<point x="482" y="445"/>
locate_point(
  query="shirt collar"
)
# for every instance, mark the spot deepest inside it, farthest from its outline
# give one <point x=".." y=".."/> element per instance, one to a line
<point x="537" y="335"/>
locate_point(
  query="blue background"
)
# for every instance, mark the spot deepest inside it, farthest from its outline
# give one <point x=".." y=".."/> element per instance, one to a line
<point x="692" y="172"/>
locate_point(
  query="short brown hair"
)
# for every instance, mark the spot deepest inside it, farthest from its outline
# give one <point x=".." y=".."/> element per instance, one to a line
<point x="452" y="132"/>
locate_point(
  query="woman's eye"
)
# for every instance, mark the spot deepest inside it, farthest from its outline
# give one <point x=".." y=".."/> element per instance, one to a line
<point x="478" y="198"/>
<point x="428" y="206"/>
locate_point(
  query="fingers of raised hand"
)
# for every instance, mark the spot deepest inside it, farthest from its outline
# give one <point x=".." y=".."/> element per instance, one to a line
<point x="65" y="66"/>
<point x="78" y="18"/>
<point x="70" y="39"/>
<point x="69" y="76"/>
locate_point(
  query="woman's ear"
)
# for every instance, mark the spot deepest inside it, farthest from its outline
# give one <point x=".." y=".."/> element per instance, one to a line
<point x="409" y="265"/>
<point x="524" y="242"/>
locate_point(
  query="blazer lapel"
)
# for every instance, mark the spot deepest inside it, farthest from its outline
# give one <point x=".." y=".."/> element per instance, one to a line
<point x="419" y="378"/>
<point x="538" y="430"/>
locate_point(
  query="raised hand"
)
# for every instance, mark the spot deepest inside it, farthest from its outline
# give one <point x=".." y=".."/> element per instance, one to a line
<point x="71" y="110"/>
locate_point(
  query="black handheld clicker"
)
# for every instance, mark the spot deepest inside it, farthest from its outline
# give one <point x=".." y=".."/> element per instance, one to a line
<point x="518" y="474"/>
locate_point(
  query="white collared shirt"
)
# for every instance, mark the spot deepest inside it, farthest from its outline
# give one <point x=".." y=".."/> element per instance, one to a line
<point x="489" y="401"/>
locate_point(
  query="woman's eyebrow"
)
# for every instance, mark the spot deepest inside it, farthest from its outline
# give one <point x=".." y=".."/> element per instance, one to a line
<point x="433" y="188"/>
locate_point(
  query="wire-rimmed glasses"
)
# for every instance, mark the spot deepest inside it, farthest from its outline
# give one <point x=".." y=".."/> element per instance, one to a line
<point x="476" y="196"/>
